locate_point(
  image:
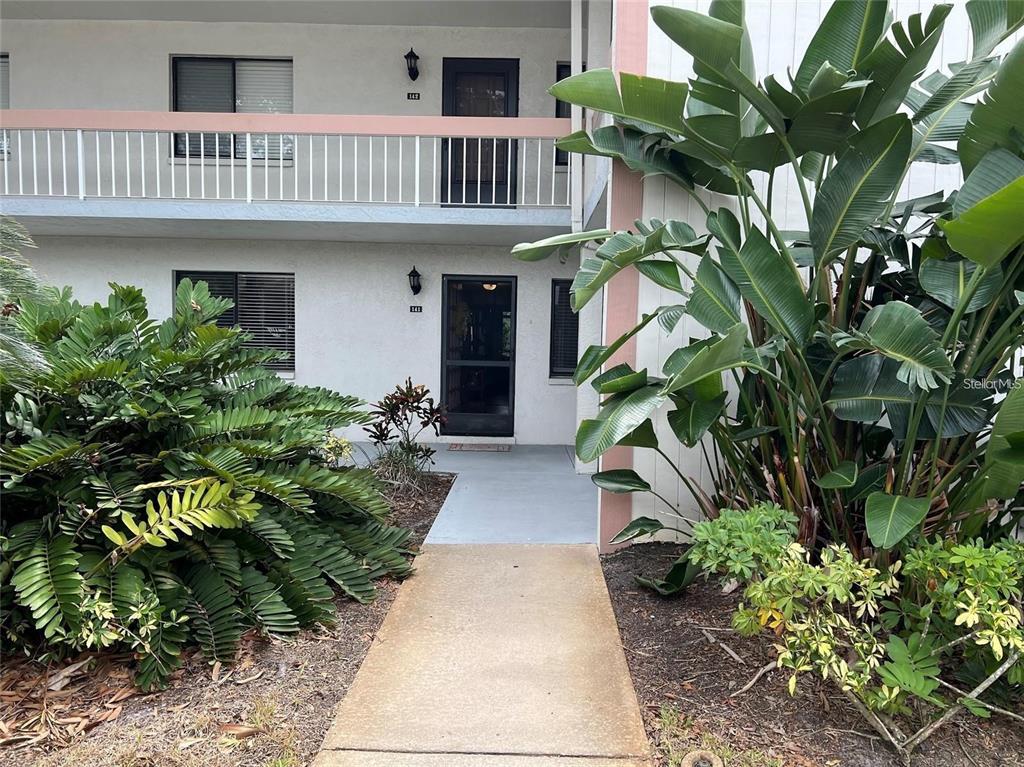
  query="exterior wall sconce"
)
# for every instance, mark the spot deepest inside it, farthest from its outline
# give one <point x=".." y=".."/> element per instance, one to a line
<point x="412" y="64"/>
<point x="414" y="282"/>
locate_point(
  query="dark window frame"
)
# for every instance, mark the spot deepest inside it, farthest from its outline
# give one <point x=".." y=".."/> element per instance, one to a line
<point x="558" y="368"/>
<point x="235" y="153"/>
<point x="231" y="317"/>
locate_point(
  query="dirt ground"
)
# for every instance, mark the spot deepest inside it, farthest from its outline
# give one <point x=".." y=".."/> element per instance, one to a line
<point x="685" y="681"/>
<point x="271" y="709"/>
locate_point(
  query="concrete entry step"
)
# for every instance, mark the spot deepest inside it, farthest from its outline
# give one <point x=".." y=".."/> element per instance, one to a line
<point x="494" y="652"/>
<point x="392" y="759"/>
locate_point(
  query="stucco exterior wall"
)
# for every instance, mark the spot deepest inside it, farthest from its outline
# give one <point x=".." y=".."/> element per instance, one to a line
<point x="338" y="69"/>
<point x="354" y="331"/>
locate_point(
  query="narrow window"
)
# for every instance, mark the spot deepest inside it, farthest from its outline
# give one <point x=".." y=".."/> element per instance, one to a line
<point x="204" y="84"/>
<point x="564" y="331"/>
<point x="5" y="81"/>
<point x="264" y="308"/>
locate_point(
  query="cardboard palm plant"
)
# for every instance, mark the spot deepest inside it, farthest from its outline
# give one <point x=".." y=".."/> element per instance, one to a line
<point x="163" y="488"/>
<point x="858" y="370"/>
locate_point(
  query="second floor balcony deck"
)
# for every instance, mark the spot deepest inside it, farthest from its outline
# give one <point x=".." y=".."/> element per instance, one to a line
<point x="486" y="180"/>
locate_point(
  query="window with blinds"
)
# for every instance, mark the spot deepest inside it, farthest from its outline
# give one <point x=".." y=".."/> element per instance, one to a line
<point x="565" y="331"/>
<point x="231" y="85"/>
<point x="5" y="81"/>
<point x="264" y="307"/>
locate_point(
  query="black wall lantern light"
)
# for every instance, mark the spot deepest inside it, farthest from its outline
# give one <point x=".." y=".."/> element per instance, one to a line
<point x="414" y="282"/>
<point x="412" y="63"/>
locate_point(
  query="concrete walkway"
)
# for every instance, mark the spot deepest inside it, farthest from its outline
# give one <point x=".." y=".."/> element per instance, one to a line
<point x="531" y="494"/>
<point x="494" y="656"/>
<point x="502" y="649"/>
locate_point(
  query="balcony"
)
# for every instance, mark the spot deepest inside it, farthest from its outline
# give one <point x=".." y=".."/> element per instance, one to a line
<point x="284" y="176"/>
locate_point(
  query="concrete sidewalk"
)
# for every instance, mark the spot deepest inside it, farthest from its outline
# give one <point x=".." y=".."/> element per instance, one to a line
<point x="531" y="494"/>
<point x="494" y="656"/>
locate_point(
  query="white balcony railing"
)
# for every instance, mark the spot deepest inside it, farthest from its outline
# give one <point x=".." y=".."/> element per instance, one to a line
<point x="364" y="159"/>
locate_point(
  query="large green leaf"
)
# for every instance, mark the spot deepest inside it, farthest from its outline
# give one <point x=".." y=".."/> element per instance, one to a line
<point x="900" y="332"/>
<point x="1003" y="479"/>
<point x="618" y="417"/>
<point x="895" y="65"/>
<point x="845" y="36"/>
<point x="712" y="42"/>
<point x="764" y="277"/>
<point x="987" y="232"/>
<point x="620" y="481"/>
<point x="945" y="281"/>
<point x="858" y="189"/>
<point x="997" y="119"/>
<point x="595" y="356"/>
<point x="48" y="583"/>
<point x="841" y="477"/>
<point x="889" y="518"/>
<point x="692" y="418"/>
<point x="996" y="170"/>
<point x="864" y="388"/>
<point x="992" y="21"/>
<point x="560" y="244"/>
<point x="710" y="359"/>
<point x="649" y="100"/>
<point x="714" y="300"/>
<point x="638" y="528"/>
<point x="943" y="92"/>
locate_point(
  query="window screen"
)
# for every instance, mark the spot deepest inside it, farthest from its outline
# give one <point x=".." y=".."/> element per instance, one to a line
<point x="5" y="82"/>
<point x="564" y="331"/>
<point x="231" y="85"/>
<point x="264" y="307"/>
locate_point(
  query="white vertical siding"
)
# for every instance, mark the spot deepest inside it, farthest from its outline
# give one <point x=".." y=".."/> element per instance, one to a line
<point x="780" y="32"/>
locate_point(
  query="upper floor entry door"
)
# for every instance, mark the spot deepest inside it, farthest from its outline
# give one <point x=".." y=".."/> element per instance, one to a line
<point x="479" y="170"/>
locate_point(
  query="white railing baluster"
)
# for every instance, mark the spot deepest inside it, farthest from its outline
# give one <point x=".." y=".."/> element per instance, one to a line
<point x="7" y="161"/>
<point x="494" y="171"/>
<point x="99" y="188"/>
<point x="522" y="187"/>
<point x="280" y="167"/>
<point x="355" y="168"/>
<point x="21" y="164"/>
<point x="202" y="166"/>
<point x="113" y="166"/>
<point x="400" y="142"/>
<point x="80" y="140"/>
<point x="232" y="151"/>
<point x="465" y="153"/>
<point x="479" y="165"/>
<point x="142" y="160"/>
<point x="370" y="198"/>
<point x="451" y="151"/>
<point x="435" y="178"/>
<point x="188" y="169"/>
<point x="248" y="167"/>
<point x="508" y="173"/>
<point x="341" y="166"/>
<point x="385" y="168"/>
<point x="35" y="164"/>
<point x="540" y="154"/>
<point x="127" y="164"/>
<point x="49" y="163"/>
<point x="216" y="164"/>
<point x="156" y="160"/>
<point x="553" y="174"/>
<point x="326" y="195"/>
<point x="266" y="166"/>
<point x="64" y="160"/>
<point x="174" y="163"/>
<point x="416" y="174"/>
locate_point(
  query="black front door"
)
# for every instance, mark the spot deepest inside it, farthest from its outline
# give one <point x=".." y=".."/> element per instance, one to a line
<point x="478" y="355"/>
<point x="479" y="171"/>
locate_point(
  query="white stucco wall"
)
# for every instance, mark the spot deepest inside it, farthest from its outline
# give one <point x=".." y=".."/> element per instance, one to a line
<point x="338" y="69"/>
<point x="354" y="331"/>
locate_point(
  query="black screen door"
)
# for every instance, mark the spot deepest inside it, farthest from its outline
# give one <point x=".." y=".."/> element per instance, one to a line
<point x="479" y="171"/>
<point x="478" y="355"/>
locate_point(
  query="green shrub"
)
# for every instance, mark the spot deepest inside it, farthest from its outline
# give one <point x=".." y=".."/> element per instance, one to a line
<point x="162" y="488"/>
<point x="890" y="640"/>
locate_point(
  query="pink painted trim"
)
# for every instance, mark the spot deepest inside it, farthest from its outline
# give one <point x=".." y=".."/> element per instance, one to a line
<point x="349" y="125"/>
<point x="623" y="291"/>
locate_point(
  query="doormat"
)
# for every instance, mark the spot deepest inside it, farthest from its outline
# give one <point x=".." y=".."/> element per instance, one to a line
<point x="478" y="447"/>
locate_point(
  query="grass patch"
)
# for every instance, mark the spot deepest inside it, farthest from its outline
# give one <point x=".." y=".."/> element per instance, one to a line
<point x="679" y="738"/>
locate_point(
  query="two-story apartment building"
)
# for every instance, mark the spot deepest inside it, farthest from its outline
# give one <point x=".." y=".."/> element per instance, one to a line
<point x="352" y="174"/>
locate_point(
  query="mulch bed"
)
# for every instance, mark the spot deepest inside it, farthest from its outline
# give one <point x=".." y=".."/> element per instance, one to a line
<point x="271" y="708"/>
<point x="685" y="683"/>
